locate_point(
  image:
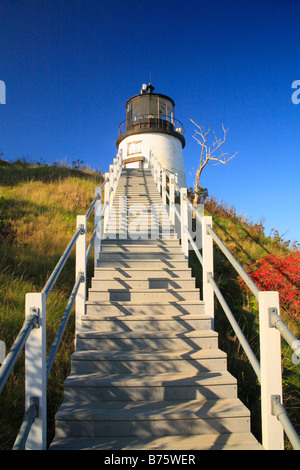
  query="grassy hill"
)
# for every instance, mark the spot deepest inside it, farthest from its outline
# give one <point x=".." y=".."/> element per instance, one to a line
<point x="38" y="208"/>
<point x="248" y="242"/>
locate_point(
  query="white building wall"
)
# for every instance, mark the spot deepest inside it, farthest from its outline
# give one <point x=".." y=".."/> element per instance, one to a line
<point x="167" y="148"/>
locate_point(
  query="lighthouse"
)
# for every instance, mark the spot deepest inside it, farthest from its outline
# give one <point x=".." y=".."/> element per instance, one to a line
<point x="150" y="129"/>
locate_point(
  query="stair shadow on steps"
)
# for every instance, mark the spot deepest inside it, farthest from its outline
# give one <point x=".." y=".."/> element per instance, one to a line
<point x="155" y="308"/>
<point x="151" y="283"/>
<point x="126" y="296"/>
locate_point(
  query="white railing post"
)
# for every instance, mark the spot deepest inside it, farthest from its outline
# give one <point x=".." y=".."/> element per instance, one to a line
<point x="172" y="199"/>
<point x="159" y="177"/>
<point x="153" y="169"/>
<point x="184" y="221"/>
<point x="113" y="174"/>
<point x="151" y="165"/>
<point x="80" y="268"/>
<point x="271" y="377"/>
<point x="119" y="167"/>
<point x="207" y="268"/>
<point x="156" y="172"/>
<point x="111" y="185"/>
<point x="164" y="186"/>
<point x="35" y="371"/>
<point x="106" y="199"/>
<point x="97" y="225"/>
<point x="120" y="158"/>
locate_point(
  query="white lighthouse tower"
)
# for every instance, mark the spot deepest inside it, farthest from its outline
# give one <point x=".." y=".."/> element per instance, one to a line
<point x="150" y="129"/>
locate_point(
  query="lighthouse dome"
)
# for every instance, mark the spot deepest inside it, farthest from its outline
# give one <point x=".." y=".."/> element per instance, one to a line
<point x="151" y="129"/>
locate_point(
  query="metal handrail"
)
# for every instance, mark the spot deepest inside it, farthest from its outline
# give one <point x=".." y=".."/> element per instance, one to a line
<point x="96" y="198"/>
<point x="62" y="326"/>
<point x="90" y="247"/>
<point x="252" y="286"/>
<point x="253" y="360"/>
<point x="32" y="321"/>
<point x="279" y="411"/>
<point x="169" y="171"/>
<point x="250" y="354"/>
<point x="62" y="261"/>
<point x="176" y="211"/>
<point x="274" y="319"/>
<point x="277" y="322"/>
<point x="193" y="208"/>
<point x="89" y="211"/>
<point x="29" y="417"/>
<point x="198" y="254"/>
<point x="11" y="358"/>
<point x="175" y="184"/>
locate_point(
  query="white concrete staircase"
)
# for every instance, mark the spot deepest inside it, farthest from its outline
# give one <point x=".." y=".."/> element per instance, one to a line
<point x="147" y="372"/>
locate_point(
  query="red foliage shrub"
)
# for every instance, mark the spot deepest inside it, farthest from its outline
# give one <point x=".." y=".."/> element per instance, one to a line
<point x="282" y="274"/>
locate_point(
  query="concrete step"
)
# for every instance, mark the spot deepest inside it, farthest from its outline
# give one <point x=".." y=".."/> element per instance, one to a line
<point x="152" y="283"/>
<point x="125" y="196"/>
<point x="151" y="242"/>
<point x="139" y="208"/>
<point x="149" y="264"/>
<point x="175" y="310"/>
<point x="139" y="203"/>
<point x="139" y="235"/>
<point x="136" y="232"/>
<point x="178" y="308"/>
<point x="146" y="295"/>
<point x="129" y="273"/>
<point x="124" y="322"/>
<point x="154" y="362"/>
<point x="147" y="372"/>
<point x="141" y="248"/>
<point x="117" y="256"/>
<point x="132" y="340"/>
<point x="135" y="212"/>
<point x="128" y="200"/>
<point x="158" y="387"/>
<point x="137" y="189"/>
<point x="145" y="419"/>
<point x="144" y="218"/>
<point x="121" y="195"/>
<point x="226" y="441"/>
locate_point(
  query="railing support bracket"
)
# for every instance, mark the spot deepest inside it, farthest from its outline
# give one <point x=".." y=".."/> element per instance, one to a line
<point x="36" y="312"/>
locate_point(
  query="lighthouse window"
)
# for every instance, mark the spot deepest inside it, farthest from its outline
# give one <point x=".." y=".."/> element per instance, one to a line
<point x="169" y="110"/>
<point x="162" y="107"/>
<point x="140" y="107"/>
<point x="134" y="147"/>
<point x="153" y="102"/>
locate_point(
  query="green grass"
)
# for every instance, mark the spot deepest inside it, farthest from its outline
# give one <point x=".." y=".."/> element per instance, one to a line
<point x="38" y="209"/>
<point x="248" y="242"/>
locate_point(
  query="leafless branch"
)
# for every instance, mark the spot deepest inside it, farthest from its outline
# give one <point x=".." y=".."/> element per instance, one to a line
<point x="210" y="154"/>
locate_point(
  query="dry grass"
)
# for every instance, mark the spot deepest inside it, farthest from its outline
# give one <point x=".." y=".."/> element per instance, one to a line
<point x="37" y="220"/>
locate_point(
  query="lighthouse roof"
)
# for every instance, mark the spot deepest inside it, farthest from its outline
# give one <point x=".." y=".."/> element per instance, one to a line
<point x="148" y="90"/>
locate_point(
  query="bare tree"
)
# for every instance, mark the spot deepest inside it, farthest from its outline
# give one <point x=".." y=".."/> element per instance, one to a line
<point x="210" y="154"/>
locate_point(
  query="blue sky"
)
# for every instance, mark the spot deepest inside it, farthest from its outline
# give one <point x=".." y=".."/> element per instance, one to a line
<point x="70" y="66"/>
